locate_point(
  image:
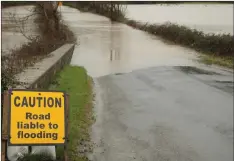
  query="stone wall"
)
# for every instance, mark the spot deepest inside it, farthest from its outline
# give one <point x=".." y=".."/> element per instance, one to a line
<point x="40" y="76"/>
<point x="42" y="73"/>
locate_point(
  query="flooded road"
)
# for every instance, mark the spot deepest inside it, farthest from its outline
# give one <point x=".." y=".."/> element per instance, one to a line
<point x="209" y="18"/>
<point x="148" y="105"/>
<point x="107" y="48"/>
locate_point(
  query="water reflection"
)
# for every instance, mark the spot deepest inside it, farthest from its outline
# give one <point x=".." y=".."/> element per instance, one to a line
<point x="109" y="48"/>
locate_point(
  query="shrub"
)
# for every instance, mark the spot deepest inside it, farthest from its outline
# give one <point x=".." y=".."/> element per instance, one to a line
<point x="114" y="10"/>
<point x="219" y="45"/>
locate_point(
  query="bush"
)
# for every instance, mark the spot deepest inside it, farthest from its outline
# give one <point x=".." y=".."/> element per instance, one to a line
<point x="6" y="80"/>
<point x="115" y="10"/>
<point x="219" y="45"/>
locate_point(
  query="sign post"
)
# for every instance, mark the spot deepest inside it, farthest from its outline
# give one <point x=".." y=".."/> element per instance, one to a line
<point x="67" y="126"/>
<point x="5" y="124"/>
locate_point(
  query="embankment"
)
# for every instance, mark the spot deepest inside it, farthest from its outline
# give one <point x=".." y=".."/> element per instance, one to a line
<point x="220" y="46"/>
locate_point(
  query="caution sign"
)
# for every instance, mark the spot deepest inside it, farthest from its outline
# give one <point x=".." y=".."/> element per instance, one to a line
<point x="37" y="117"/>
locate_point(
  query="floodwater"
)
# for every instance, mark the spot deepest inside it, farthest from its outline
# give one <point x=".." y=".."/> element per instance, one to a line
<point x="13" y="27"/>
<point x="110" y="48"/>
<point x="209" y="18"/>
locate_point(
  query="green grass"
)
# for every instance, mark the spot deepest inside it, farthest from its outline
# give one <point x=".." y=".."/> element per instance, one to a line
<point x="75" y="81"/>
<point x="221" y="61"/>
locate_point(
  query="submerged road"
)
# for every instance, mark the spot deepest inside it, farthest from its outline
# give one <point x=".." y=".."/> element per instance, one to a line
<point x="153" y="101"/>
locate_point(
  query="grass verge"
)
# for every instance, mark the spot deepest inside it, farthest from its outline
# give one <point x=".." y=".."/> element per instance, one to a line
<point x="75" y="81"/>
<point x="221" y="61"/>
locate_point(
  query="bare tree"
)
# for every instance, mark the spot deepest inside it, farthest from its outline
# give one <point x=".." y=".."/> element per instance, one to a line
<point x="47" y="9"/>
<point x="50" y="11"/>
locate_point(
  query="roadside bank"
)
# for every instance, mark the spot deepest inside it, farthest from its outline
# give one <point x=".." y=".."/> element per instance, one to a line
<point x="78" y="85"/>
<point x="218" y="49"/>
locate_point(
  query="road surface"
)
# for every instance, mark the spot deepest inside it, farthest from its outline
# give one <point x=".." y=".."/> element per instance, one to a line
<point x="154" y="101"/>
<point x="163" y="114"/>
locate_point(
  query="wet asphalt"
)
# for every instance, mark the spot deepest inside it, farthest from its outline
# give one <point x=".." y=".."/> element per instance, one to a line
<point x="153" y="100"/>
<point x="164" y="114"/>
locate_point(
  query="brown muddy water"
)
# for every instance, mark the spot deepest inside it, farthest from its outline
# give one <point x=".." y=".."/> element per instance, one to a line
<point x="112" y="48"/>
<point x="105" y="47"/>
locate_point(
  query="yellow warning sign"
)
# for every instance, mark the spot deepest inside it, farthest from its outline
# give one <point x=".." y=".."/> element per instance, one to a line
<point x="37" y="117"/>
